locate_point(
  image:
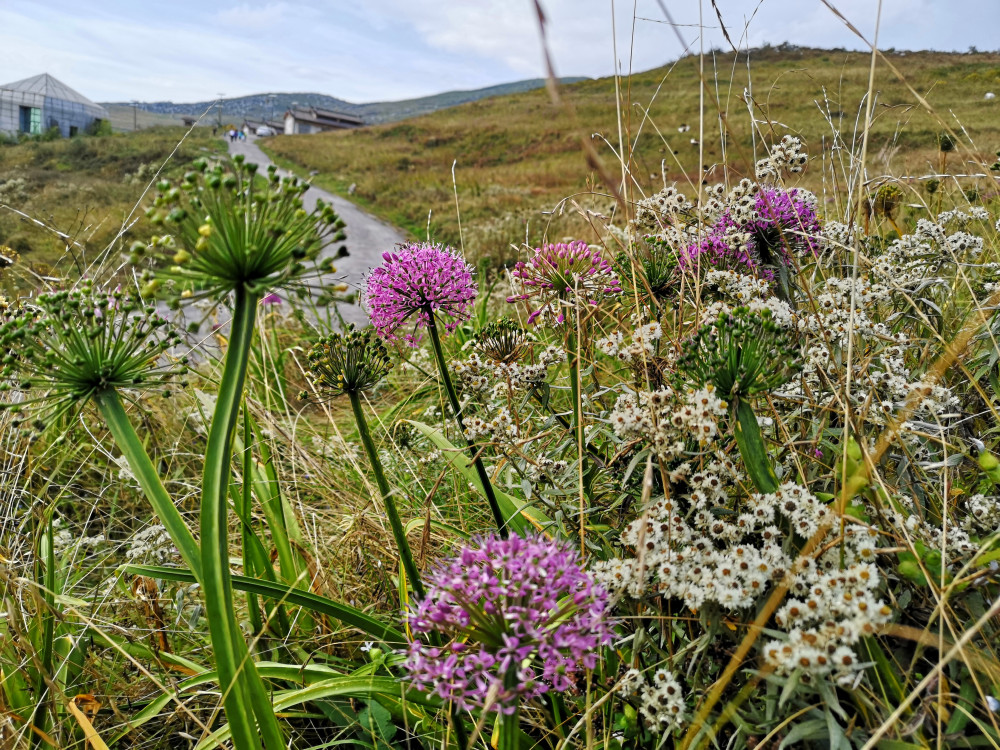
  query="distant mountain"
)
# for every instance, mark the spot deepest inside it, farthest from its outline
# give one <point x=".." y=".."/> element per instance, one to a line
<point x="266" y="105"/>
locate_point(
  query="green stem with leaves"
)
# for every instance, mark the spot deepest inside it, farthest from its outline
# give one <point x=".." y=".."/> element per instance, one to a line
<point x="402" y="545"/>
<point x="484" y="477"/>
<point x="405" y="554"/>
<point x="238" y="678"/>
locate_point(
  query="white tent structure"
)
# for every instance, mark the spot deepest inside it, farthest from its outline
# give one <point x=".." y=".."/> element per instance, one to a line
<point x="41" y="102"/>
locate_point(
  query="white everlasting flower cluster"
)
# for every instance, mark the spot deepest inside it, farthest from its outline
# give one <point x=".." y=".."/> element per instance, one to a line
<point x="745" y="291"/>
<point x="661" y="702"/>
<point x="500" y="427"/>
<point x="544" y="469"/>
<point x="153" y="542"/>
<point x="914" y="259"/>
<point x="668" y="420"/>
<point x="832" y="317"/>
<point x="786" y="154"/>
<point x="954" y="540"/>
<point x="730" y="560"/>
<point x="643" y="345"/>
<point x="480" y="374"/>
<point x="64" y="539"/>
<point x="658" y="209"/>
<point x="839" y="236"/>
<point x="335" y="447"/>
<point x="983" y="514"/>
<point x="431" y="457"/>
<point x="962" y="219"/>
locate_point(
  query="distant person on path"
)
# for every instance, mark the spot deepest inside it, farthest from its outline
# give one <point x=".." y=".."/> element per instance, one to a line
<point x="232" y="135"/>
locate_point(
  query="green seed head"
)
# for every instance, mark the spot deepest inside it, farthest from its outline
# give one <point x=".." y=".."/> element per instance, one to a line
<point x="742" y="353"/>
<point x="70" y="345"/>
<point x="502" y="341"/>
<point x="348" y="363"/>
<point x="229" y="231"/>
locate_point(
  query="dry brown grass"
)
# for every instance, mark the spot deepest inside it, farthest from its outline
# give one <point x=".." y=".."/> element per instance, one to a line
<point x="519" y="155"/>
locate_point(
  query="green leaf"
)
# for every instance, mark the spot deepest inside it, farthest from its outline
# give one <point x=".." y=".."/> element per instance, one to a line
<point x="307" y="600"/>
<point x="354" y="687"/>
<point x="892" y="688"/>
<point x="814" y="729"/>
<point x="377" y="721"/>
<point x="286" y="672"/>
<point x="967" y="695"/>
<point x="518" y="515"/>
<point x="752" y="449"/>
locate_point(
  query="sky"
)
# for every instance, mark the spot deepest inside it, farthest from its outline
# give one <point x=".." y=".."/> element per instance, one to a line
<point x="378" y="50"/>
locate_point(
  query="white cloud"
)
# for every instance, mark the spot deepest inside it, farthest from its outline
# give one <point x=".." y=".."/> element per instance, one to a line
<point x="390" y="49"/>
<point x="258" y="18"/>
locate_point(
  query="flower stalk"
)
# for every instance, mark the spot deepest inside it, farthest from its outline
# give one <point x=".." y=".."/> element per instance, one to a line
<point x="109" y="404"/>
<point x="238" y="678"/>
<point x="398" y="533"/>
<point x="456" y="407"/>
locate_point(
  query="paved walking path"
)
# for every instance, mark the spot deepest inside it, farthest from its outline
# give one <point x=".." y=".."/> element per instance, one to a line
<point x="367" y="237"/>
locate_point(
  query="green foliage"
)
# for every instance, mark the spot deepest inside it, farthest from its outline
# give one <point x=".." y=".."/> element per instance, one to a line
<point x="873" y="481"/>
<point x="99" y="127"/>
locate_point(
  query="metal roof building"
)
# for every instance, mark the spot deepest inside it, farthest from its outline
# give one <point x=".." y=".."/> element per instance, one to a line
<point x="315" y="120"/>
<point x="39" y="103"/>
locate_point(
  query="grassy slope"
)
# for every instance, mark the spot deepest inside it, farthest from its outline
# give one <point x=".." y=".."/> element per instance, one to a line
<point x="273" y="105"/>
<point x="81" y="187"/>
<point x="125" y="119"/>
<point x="519" y="154"/>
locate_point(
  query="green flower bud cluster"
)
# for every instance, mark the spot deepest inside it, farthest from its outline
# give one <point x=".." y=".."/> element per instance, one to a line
<point x="234" y="229"/>
<point x="502" y="341"/>
<point x="653" y="268"/>
<point x="990" y="465"/>
<point x="742" y="353"/>
<point x="70" y="345"/>
<point x="348" y="363"/>
<point x="887" y="199"/>
<point x="852" y="468"/>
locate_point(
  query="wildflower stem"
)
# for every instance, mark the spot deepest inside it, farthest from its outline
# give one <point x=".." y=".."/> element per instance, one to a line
<point x="573" y="357"/>
<point x="390" y="504"/>
<point x="484" y="478"/>
<point x="238" y="678"/>
<point x="110" y="405"/>
<point x="510" y="725"/>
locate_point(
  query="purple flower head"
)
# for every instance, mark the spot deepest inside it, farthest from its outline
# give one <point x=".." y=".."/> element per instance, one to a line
<point x="781" y="223"/>
<point x="563" y="275"/>
<point x="271" y="299"/>
<point x="521" y="617"/>
<point x="417" y="281"/>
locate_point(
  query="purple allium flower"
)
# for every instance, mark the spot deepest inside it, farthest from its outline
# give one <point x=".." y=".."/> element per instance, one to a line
<point x="271" y="299"/>
<point x="782" y="223"/>
<point x="521" y="617"/>
<point x="418" y="281"/>
<point x="563" y="275"/>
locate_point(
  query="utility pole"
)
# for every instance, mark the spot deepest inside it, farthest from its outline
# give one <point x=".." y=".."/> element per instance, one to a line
<point x="135" y="115"/>
<point x="219" y="104"/>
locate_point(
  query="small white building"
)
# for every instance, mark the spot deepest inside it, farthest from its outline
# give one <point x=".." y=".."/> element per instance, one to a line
<point x="313" y="120"/>
<point x="37" y="104"/>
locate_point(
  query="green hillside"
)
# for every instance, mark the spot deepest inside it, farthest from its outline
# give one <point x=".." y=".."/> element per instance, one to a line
<point x="80" y="191"/>
<point x="519" y="155"/>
